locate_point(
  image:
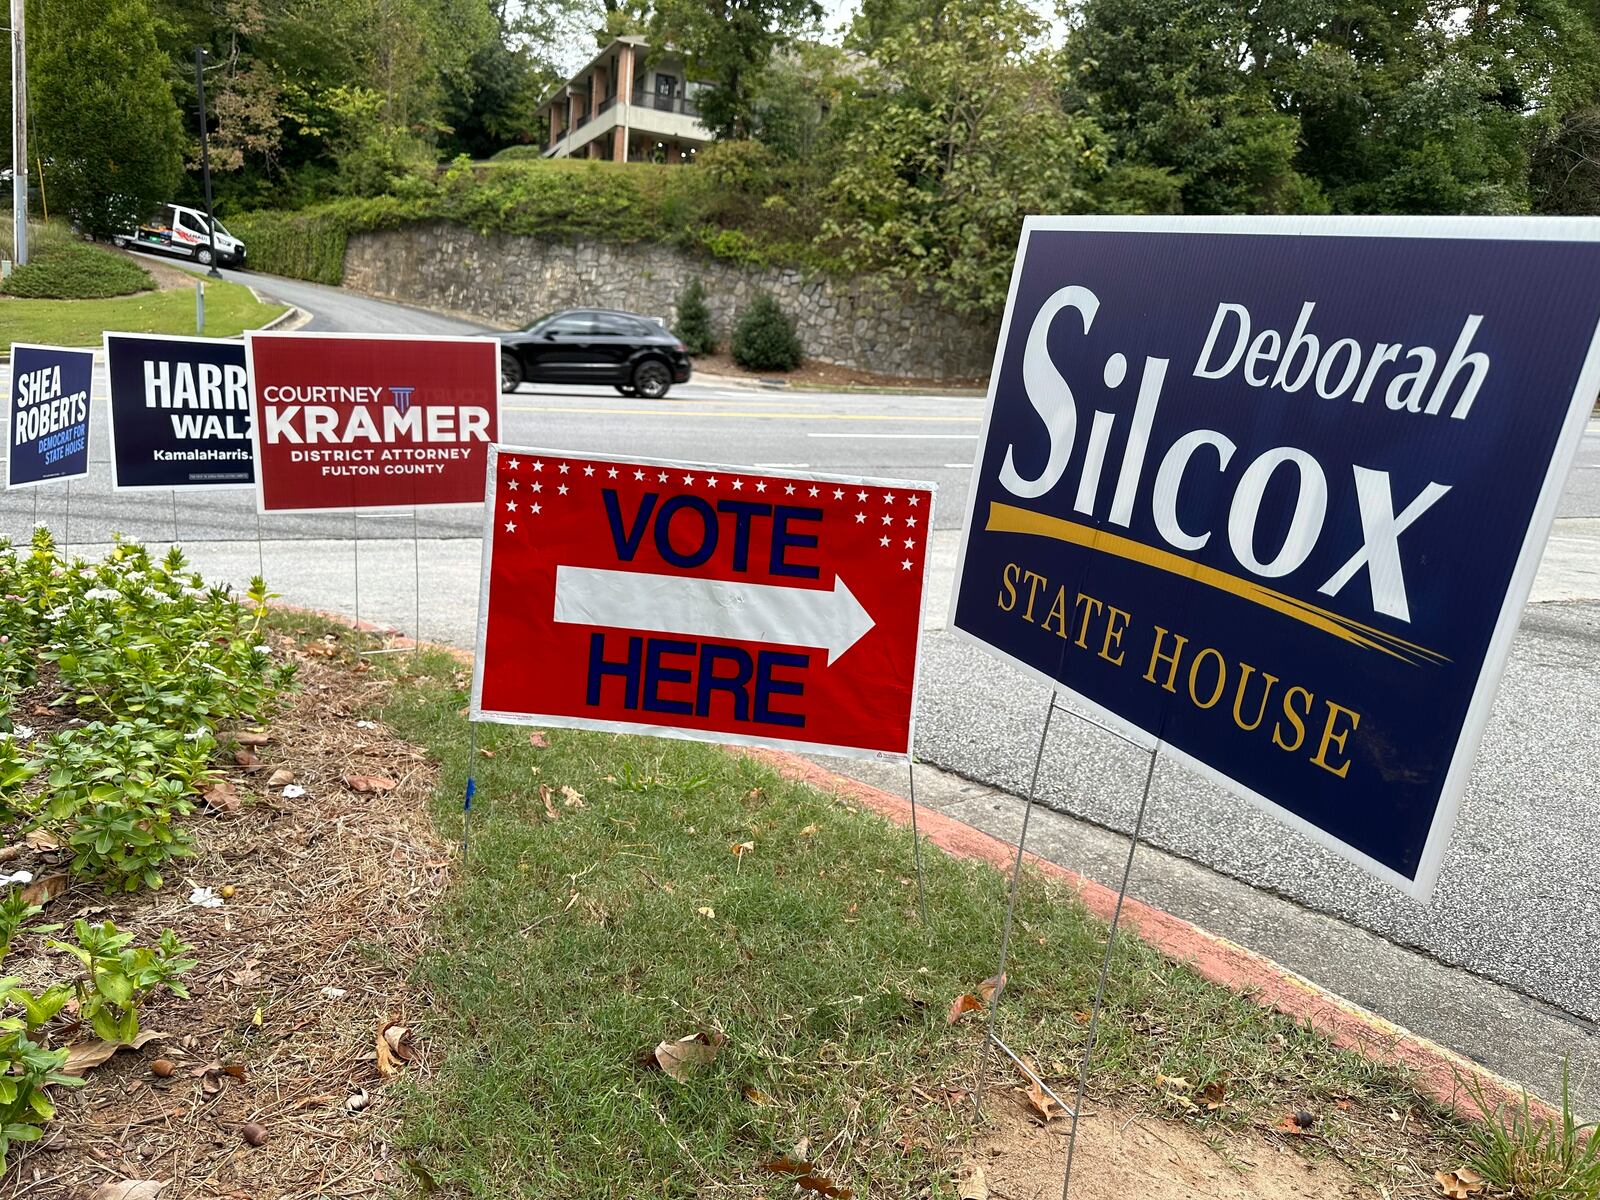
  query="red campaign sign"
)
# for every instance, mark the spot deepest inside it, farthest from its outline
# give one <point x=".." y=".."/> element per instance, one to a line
<point x="344" y="421"/>
<point x="713" y="603"/>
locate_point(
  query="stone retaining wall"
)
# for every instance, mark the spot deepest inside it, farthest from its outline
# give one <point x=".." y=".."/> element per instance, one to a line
<point x="509" y="281"/>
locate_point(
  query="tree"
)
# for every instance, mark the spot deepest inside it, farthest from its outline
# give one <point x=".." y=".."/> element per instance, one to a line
<point x="958" y="136"/>
<point x="1566" y="167"/>
<point x="103" y="113"/>
<point x="693" y="323"/>
<point x="764" y="339"/>
<point x="728" y="43"/>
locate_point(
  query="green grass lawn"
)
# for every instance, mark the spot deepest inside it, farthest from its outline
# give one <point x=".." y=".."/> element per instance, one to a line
<point x="231" y="308"/>
<point x="581" y="934"/>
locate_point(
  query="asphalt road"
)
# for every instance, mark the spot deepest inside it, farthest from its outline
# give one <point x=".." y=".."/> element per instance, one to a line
<point x="1519" y="901"/>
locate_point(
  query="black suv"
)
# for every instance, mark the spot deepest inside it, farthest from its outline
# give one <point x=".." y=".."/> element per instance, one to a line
<point x="634" y="354"/>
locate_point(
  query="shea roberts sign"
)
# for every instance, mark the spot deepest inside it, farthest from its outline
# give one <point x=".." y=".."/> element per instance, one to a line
<point x="49" y="414"/>
<point x="367" y="421"/>
<point x="1273" y="491"/>
<point x="713" y="603"/>
<point x="180" y="412"/>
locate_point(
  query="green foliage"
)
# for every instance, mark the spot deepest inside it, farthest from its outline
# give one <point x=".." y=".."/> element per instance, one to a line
<point x="1566" y="165"/>
<point x="159" y="659"/>
<point x="956" y="139"/>
<point x="764" y="339"/>
<point x="1530" y="1157"/>
<point x="118" y="977"/>
<point x="67" y="269"/>
<point x="693" y="327"/>
<point x="15" y="913"/>
<point x="104" y="117"/>
<point x="27" y="1069"/>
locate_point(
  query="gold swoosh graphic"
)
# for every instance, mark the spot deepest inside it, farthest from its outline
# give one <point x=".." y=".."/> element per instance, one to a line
<point x="1008" y="518"/>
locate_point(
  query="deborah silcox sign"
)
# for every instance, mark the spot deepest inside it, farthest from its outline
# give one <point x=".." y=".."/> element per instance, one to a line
<point x="1273" y="491"/>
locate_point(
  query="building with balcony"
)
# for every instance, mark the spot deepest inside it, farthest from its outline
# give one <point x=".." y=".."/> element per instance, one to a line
<point x="630" y="104"/>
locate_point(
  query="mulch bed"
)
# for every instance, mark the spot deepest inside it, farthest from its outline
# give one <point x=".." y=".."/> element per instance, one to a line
<point x="299" y="973"/>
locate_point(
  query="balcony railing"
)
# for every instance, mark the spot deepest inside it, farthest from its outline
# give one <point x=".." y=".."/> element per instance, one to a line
<point x="606" y="105"/>
<point x="677" y="104"/>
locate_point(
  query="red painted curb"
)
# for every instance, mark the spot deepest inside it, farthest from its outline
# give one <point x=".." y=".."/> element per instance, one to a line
<point x="1439" y="1071"/>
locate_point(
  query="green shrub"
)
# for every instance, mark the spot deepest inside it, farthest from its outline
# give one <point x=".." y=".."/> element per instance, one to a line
<point x="764" y="339"/>
<point x="693" y="324"/>
<point x="27" y="1068"/>
<point x="67" y="269"/>
<point x="118" y="977"/>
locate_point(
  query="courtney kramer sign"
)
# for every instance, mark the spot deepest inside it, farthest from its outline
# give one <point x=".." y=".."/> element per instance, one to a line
<point x="1273" y="492"/>
<point x="720" y="604"/>
<point x="180" y="412"/>
<point x="368" y="421"/>
<point x="49" y="414"/>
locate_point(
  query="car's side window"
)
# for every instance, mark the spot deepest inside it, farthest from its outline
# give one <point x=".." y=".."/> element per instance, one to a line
<point x="574" y="325"/>
<point x="611" y="325"/>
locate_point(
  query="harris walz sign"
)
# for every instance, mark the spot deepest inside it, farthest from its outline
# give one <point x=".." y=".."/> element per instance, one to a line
<point x="180" y="412"/>
<point x="1273" y="492"/>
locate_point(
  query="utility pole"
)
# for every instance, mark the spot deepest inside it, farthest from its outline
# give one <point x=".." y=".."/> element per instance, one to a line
<point x="205" y="158"/>
<point x="19" y="135"/>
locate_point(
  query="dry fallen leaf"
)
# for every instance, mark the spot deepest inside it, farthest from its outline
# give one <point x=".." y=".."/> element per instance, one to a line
<point x="41" y="840"/>
<point x="976" y="1187"/>
<point x="805" y="1176"/>
<point x="1290" y="1123"/>
<point x="538" y="740"/>
<point x="246" y="757"/>
<point x="221" y="796"/>
<point x="1215" y="1092"/>
<point x="740" y="849"/>
<point x="357" y="1100"/>
<point x="963" y="1004"/>
<point x="42" y="891"/>
<point x="1460" y="1184"/>
<point x="707" y="912"/>
<point x="570" y="797"/>
<point x="394" y="1049"/>
<point x="486" y="752"/>
<point x="688" y="1054"/>
<point x="280" y="777"/>
<point x="369" y="783"/>
<point x="989" y="990"/>
<point x="549" y="797"/>
<point x="809" y="831"/>
<point x="757" y="1097"/>
<point x="128" y="1189"/>
<point x="249" y="737"/>
<point x="1041" y="1101"/>
<point x="86" y="1056"/>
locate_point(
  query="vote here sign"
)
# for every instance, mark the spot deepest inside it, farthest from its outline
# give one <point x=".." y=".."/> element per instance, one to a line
<point x="713" y="603"/>
<point x="180" y="412"/>
<point x="1274" y="491"/>
<point x="348" y="421"/>
<point x="49" y="414"/>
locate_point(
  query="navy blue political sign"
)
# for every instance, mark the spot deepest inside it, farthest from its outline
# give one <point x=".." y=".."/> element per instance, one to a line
<point x="180" y="412"/>
<point x="49" y="414"/>
<point x="1273" y="492"/>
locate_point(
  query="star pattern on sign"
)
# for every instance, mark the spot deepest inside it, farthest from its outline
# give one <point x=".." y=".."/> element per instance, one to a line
<point x="887" y="519"/>
<point x="788" y="490"/>
<point x="638" y="474"/>
<point x="512" y="464"/>
<point x="612" y="473"/>
<point x="861" y="495"/>
<point x="761" y="485"/>
<point x="711" y="481"/>
<point x="512" y="484"/>
<point x="661" y="478"/>
<point x="911" y="543"/>
<point x="535" y="508"/>
<point x="511" y="526"/>
<point x="511" y="506"/>
<point x="589" y="470"/>
<point x="537" y="486"/>
<point x="564" y="468"/>
<point x="838" y="493"/>
<point x="905" y="565"/>
<point x="562" y="490"/>
<point x="911" y="521"/>
<point x="738" y="485"/>
<point x="688" y="480"/>
<point x="912" y="500"/>
<point x="883" y="541"/>
<point x="888" y="497"/>
<point x="811" y="492"/>
<point x="538" y="466"/>
<point x="861" y="518"/>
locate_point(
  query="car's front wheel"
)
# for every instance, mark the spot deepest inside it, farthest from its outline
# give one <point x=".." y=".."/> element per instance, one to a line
<point x="203" y="256"/>
<point x="510" y="371"/>
<point x="652" y="380"/>
<point x="120" y="242"/>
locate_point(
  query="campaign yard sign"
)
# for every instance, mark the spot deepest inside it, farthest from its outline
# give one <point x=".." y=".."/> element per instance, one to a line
<point x="713" y="603"/>
<point x="1273" y="491"/>
<point x="371" y="421"/>
<point x="180" y="412"/>
<point x="49" y="414"/>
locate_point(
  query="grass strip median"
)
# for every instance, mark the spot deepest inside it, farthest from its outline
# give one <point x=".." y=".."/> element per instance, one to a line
<point x="625" y="892"/>
<point x="231" y="308"/>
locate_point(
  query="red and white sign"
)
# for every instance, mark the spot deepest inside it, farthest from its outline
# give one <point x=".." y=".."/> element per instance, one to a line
<point x="346" y="421"/>
<point x="712" y="603"/>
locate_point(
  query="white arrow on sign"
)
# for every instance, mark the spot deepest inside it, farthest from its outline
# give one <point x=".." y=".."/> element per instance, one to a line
<point x="712" y="608"/>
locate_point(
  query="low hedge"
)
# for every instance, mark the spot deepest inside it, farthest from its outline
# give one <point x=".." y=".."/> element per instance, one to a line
<point x="63" y="268"/>
<point x="747" y="214"/>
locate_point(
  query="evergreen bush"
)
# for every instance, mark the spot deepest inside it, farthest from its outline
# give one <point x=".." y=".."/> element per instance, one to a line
<point x="67" y="269"/>
<point x="764" y="339"/>
<point x="693" y="325"/>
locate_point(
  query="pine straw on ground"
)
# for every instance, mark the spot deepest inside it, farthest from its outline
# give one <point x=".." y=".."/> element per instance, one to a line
<point x="298" y="972"/>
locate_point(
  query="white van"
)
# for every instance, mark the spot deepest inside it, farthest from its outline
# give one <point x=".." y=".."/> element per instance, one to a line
<point x="175" y="229"/>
